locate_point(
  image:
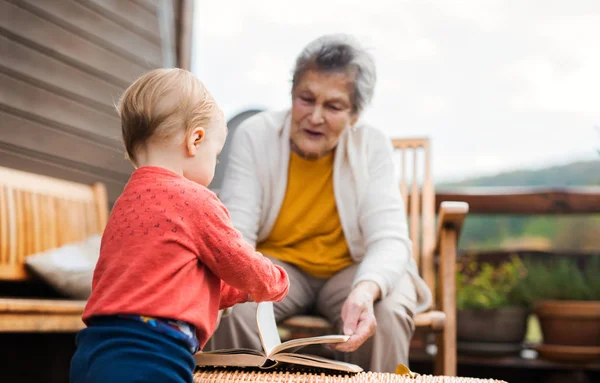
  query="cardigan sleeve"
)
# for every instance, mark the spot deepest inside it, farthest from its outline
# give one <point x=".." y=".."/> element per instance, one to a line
<point x="230" y="296"/>
<point x="241" y="191"/>
<point x="224" y="252"/>
<point x="382" y="220"/>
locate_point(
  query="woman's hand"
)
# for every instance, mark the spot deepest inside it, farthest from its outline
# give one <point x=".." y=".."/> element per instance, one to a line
<point x="358" y="315"/>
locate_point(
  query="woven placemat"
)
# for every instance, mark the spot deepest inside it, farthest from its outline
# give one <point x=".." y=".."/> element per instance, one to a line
<point x="210" y="376"/>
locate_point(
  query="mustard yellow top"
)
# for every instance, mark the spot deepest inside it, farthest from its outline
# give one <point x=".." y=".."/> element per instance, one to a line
<point x="308" y="232"/>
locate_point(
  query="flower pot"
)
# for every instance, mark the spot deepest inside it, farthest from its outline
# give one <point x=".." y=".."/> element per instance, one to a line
<point x="491" y="331"/>
<point x="569" y="323"/>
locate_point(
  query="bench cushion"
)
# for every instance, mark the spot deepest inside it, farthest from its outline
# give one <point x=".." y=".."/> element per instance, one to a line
<point x="68" y="269"/>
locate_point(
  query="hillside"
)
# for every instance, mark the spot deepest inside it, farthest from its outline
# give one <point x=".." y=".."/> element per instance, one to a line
<point x="584" y="173"/>
<point x="563" y="233"/>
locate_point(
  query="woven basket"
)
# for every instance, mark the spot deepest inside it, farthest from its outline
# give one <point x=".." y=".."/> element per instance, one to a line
<point x="303" y="377"/>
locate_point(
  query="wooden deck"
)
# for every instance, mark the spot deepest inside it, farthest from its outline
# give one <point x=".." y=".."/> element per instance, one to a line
<point x="522" y="201"/>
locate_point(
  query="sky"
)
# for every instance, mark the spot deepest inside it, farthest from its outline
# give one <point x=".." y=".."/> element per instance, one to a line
<point x="496" y="85"/>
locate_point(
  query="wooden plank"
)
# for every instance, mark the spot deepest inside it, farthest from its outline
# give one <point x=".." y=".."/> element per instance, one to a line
<point x="4" y="227"/>
<point x="414" y="215"/>
<point x="166" y="23"/>
<point x="41" y="306"/>
<point x="516" y="361"/>
<point x="65" y="79"/>
<point x="28" y="134"/>
<point x="403" y="143"/>
<point x="150" y="5"/>
<point x="98" y="29"/>
<point x="428" y="225"/>
<point x="130" y="15"/>
<point x="21" y="222"/>
<point x="446" y="357"/>
<point x="177" y="9"/>
<point x="11" y="210"/>
<point x="46" y="106"/>
<point x="51" y="186"/>
<point x="101" y="203"/>
<point x="16" y="272"/>
<point x="66" y="46"/>
<point x="510" y="361"/>
<point x="18" y="158"/>
<point x="40" y="322"/>
<point x="482" y="200"/>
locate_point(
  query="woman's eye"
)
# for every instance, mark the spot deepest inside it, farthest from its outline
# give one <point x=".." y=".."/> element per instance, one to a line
<point x="306" y="99"/>
<point x="334" y="107"/>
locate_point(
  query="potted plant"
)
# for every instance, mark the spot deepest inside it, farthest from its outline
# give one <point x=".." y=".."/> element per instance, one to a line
<point x="491" y="312"/>
<point x="566" y="298"/>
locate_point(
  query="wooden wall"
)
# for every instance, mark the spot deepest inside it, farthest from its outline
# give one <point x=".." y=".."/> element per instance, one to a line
<point x="63" y="64"/>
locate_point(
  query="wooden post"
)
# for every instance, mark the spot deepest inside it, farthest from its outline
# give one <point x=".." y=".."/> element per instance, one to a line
<point x="446" y="356"/>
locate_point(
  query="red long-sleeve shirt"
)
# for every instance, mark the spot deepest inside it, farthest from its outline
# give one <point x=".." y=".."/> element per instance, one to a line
<point x="169" y="250"/>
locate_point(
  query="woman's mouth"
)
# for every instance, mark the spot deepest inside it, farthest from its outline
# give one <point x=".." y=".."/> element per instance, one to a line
<point x="313" y="133"/>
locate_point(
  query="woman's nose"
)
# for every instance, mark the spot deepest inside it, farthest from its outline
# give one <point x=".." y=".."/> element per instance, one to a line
<point x="316" y="116"/>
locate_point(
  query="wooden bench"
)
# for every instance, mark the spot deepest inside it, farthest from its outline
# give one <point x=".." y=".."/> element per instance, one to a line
<point x="38" y="213"/>
<point x="431" y="247"/>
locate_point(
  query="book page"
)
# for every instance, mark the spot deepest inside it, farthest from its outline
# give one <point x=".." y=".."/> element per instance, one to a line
<point x="296" y="344"/>
<point x="317" y="361"/>
<point x="221" y="358"/>
<point x="267" y="327"/>
<point x="233" y="351"/>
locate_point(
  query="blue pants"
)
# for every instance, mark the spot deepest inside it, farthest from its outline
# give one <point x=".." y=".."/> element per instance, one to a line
<point x="119" y="350"/>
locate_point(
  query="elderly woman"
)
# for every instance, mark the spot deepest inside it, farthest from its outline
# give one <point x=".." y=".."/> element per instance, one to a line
<point x="314" y="189"/>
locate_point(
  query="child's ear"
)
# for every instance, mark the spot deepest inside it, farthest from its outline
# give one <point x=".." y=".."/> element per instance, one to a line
<point x="194" y="139"/>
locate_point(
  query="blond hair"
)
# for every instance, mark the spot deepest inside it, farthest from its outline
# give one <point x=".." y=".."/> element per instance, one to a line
<point x="160" y="103"/>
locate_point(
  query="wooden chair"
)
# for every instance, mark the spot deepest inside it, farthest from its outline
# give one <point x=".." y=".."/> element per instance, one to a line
<point x="38" y="213"/>
<point x="427" y="243"/>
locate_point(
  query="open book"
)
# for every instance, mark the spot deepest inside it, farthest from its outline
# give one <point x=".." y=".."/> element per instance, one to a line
<point x="274" y="351"/>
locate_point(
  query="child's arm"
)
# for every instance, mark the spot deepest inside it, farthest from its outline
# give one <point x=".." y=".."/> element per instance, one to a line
<point x="231" y="296"/>
<point x="225" y="253"/>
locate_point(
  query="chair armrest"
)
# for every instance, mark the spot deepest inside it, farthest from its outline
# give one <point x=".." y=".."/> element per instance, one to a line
<point x="434" y="320"/>
<point x="451" y="216"/>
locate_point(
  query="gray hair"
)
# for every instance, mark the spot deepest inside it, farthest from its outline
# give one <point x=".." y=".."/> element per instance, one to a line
<point x="340" y="53"/>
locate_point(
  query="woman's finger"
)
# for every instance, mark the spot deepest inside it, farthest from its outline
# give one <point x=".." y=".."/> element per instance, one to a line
<point x="351" y="320"/>
<point x="364" y="330"/>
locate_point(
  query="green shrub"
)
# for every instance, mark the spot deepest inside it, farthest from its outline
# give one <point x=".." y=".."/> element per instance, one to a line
<point x="560" y="279"/>
<point x="485" y="286"/>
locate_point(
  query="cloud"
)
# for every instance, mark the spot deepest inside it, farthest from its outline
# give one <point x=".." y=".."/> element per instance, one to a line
<point x="219" y="19"/>
<point x="483" y="14"/>
<point x="563" y="75"/>
<point x="487" y="81"/>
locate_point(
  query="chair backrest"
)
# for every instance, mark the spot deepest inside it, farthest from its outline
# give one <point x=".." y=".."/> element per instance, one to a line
<point x="38" y="213"/>
<point x="232" y="124"/>
<point x="416" y="187"/>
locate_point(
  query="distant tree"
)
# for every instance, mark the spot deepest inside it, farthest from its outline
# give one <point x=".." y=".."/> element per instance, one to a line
<point x="577" y="233"/>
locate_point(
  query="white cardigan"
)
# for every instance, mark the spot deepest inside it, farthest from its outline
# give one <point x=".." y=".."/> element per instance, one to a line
<point x="366" y="191"/>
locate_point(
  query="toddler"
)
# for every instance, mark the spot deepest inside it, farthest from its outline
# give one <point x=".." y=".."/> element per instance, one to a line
<point x="170" y="258"/>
